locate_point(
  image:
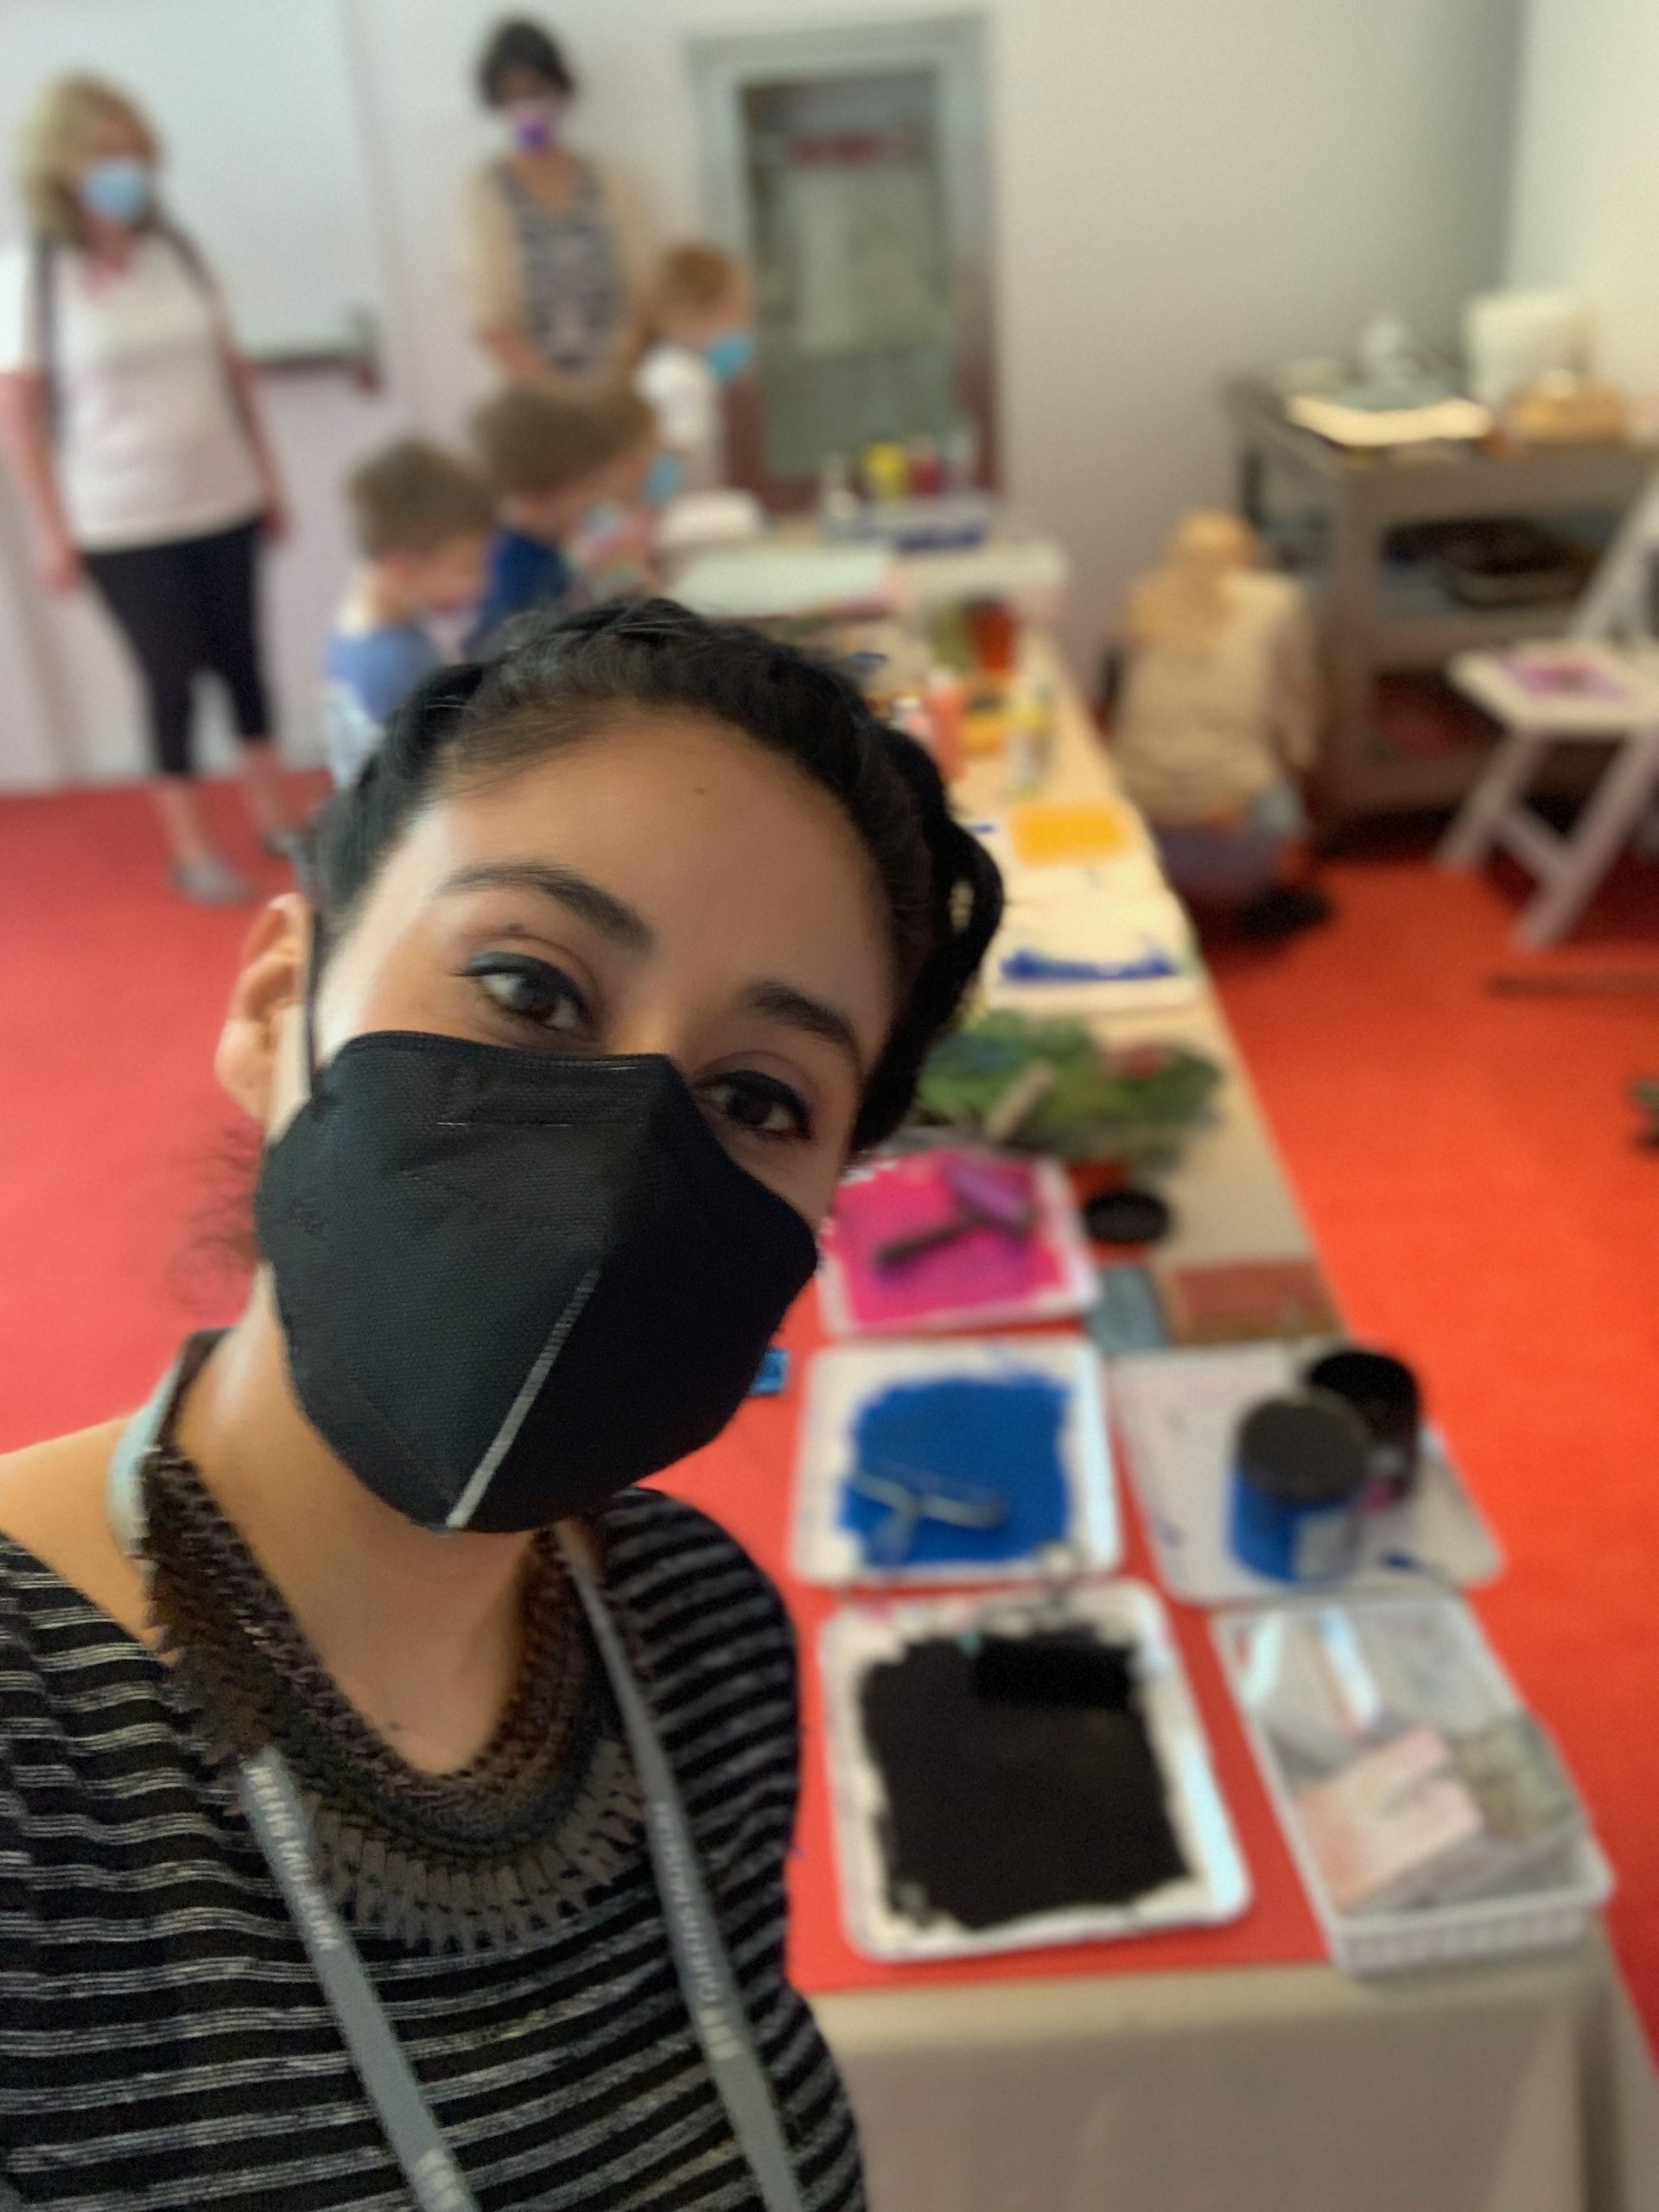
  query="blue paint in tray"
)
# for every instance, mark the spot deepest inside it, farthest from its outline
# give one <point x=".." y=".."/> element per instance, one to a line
<point x="1028" y="965"/>
<point x="971" y="1434"/>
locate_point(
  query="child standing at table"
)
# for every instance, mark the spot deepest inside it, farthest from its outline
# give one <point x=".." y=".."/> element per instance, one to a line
<point x="421" y="520"/>
<point x="568" y="473"/>
<point x="1218" y="710"/>
<point x="697" y="339"/>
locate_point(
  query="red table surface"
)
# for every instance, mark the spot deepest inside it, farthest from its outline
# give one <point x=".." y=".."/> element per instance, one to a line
<point x="745" y="1480"/>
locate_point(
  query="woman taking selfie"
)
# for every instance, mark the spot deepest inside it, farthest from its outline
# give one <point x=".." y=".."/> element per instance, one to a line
<point x="138" y="445"/>
<point x="394" y="1800"/>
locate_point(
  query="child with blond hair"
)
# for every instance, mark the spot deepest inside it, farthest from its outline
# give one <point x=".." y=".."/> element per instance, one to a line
<point x="696" y="338"/>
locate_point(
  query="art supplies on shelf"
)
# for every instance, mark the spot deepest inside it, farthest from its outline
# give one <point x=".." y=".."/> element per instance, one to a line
<point x="970" y="1460"/>
<point x="953" y="1238"/>
<point x="1011" y="1773"/>
<point x="1366" y="420"/>
<point x="1429" y="1814"/>
<point x="1178" y="1413"/>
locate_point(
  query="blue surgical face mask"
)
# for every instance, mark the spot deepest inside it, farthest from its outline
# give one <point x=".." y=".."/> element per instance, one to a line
<point x="665" y="479"/>
<point x="602" y="520"/>
<point x="117" y="189"/>
<point x="729" y="355"/>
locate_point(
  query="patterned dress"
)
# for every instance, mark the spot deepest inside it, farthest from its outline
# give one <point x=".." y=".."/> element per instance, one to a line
<point x="570" y="272"/>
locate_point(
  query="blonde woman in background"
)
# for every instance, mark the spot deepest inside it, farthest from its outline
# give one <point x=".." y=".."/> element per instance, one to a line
<point x="1218" y="713"/>
<point x="138" y="445"/>
<point x="554" y="257"/>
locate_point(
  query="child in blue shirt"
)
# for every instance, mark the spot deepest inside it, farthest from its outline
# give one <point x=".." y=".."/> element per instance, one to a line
<point x="422" y="521"/>
<point x="567" y="472"/>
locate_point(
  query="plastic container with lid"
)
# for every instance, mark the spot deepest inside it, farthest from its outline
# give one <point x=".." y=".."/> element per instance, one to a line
<point x="1301" y="1468"/>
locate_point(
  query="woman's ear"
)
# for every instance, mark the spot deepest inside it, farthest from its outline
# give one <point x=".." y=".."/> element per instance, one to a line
<point x="254" y="1060"/>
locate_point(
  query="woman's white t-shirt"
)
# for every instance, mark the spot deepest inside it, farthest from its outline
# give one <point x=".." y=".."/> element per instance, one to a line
<point x="149" y="445"/>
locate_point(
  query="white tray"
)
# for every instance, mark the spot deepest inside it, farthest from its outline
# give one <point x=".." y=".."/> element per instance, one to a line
<point x="1179" y="1411"/>
<point x="1218" y="1889"/>
<point x="1121" y="936"/>
<point x="1059" y="1226"/>
<point x="1433" y="1934"/>
<point x="841" y="1383"/>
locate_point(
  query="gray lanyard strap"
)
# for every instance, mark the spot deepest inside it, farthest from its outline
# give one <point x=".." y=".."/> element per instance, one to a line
<point x="700" y="1958"/>
<point x="276" y="1814"/>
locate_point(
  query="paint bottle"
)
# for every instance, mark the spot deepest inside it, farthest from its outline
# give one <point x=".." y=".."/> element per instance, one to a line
<point x="840" y="510"/>
<point x="885" y="466"/>
<point x="1301" y="1469"/>
<point x="926" y="468"/>
<point x="944" y="700"/>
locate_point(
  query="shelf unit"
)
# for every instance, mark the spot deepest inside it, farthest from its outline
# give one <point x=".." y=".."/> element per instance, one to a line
<point x="1371" y="622"/>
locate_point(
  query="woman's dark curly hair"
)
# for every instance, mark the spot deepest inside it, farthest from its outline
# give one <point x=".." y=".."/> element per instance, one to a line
<point x="558" y="681"/>
<point x="524" y="46"/>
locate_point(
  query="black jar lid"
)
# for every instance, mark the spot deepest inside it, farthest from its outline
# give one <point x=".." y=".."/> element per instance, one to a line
<point x="1379" y="1386"/>
<point x="1309" y="1450"/>
<point x="1128" y="1216"/>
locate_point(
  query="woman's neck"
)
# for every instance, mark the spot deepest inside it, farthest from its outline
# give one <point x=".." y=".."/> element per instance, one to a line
<point x="548" y="173"/>
<point x="111" y="245"/>
<point x="421" y="1631"/>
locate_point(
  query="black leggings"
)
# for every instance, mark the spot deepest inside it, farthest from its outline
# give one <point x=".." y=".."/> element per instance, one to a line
<point x="185" y="607"/>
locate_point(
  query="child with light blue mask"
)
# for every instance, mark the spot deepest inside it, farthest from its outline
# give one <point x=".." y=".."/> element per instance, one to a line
<point x="698" y="338"/>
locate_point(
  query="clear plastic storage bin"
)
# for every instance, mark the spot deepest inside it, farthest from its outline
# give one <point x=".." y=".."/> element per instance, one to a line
<point x="1430" y="1816"/>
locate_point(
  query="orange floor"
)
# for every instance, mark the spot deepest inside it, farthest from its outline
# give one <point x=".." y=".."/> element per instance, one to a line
<point x="1467" y="1163"/>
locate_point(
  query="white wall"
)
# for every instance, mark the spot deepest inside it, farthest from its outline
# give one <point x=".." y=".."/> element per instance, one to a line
<point x="1586" y="204"/>
<point x="1182" y="188"/>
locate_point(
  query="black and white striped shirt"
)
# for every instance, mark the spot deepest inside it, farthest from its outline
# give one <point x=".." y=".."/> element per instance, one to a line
<point x="164" y="2040"/>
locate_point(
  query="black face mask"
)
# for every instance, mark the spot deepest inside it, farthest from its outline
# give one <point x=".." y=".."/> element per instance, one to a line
<point x="510" y="1283"/>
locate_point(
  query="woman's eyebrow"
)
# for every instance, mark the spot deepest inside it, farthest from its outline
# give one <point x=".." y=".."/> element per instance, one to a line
<point x="783" y="1002"/>
<point x="624" y="925"/>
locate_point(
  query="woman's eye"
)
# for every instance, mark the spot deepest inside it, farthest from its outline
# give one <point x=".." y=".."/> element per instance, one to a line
<point x="531" y="991"/>
<point x="759" y="1105"/>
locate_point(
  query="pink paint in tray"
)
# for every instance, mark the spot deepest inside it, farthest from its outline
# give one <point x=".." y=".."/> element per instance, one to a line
<point x="953" y="1239"/>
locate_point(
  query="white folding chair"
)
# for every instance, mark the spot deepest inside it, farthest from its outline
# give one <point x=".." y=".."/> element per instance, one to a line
<point x="1601" y="683"/>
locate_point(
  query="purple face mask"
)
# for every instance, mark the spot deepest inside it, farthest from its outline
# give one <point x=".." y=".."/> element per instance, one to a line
<point x="535" y="125"/>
